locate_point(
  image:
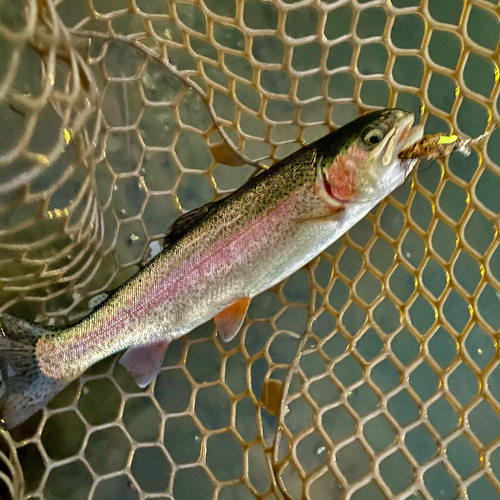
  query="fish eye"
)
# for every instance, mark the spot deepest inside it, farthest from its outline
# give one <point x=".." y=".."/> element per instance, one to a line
<point x="374" y="136"/>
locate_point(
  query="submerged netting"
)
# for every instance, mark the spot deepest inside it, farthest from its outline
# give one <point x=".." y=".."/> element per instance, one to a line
<point x="370" y="374"/>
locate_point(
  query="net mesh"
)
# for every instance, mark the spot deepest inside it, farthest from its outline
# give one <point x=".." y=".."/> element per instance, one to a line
<point x="370" y="374"/>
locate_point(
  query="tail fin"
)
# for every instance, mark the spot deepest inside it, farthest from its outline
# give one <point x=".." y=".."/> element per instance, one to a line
<point x="24" y="389"/>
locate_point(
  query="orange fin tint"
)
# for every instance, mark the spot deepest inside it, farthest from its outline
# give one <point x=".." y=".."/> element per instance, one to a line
<point x="272" y="393"/>
<point x="222" y="153"/>
<point x="144" y="362"/>
<point x="229" y="321"/>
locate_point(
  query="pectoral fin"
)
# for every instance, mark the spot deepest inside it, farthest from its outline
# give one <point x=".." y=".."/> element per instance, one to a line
<point x="229" y="321"/>
<point x="323" y="218"/>
<point x="144" y="362"/>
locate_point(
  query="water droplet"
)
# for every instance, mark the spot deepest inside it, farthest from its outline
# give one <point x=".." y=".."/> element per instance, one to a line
<point x="43" y="160"/>
<point x="86" y="390"/>
<point x="155" y="248"/>
<point x="115" y="188"/>
<point x="134" y="237"/>
<point x="147" y="81"/>
<point x="98" y="299"/>
<point x="122" y="211"/>
<point x="197" y="438"/>
<point x="311" y="344"/>
<point x="480" y="351"/>
<point x="142" y="184"/>
<point x="321" y="450"/>
<point x="407" y="255"/>
<point x="68" y="135"/>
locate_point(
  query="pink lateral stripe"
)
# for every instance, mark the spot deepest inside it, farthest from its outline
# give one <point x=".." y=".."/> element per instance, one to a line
<point x="190" y="272"/>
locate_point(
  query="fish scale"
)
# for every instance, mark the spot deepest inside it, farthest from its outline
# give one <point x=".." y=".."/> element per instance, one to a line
<point x="218" y="257"/>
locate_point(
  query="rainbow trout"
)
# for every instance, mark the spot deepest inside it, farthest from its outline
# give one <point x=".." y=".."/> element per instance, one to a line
<point x="215" y="259"/>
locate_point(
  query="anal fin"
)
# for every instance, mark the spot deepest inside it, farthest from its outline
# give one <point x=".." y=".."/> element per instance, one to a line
<point x="229" y="321"/>
<point x="144" y="362"/>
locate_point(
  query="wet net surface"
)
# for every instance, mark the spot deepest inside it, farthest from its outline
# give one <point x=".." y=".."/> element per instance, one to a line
<point x="116" y="116"/>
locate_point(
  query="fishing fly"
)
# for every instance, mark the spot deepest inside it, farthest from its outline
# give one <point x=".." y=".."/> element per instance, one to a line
<point x="438" y="146"/>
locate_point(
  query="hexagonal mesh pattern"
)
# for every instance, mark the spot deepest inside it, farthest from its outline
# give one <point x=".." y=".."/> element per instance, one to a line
<point x="372" y="373"/>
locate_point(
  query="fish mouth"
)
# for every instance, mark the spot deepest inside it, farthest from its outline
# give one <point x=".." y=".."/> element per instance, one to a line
<point x="401" y="136"/>
<point x="409" y="134"/>
<point x="406" y="137"/>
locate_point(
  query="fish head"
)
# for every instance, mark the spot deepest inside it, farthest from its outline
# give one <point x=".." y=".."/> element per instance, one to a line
<point x="359" y="162"/>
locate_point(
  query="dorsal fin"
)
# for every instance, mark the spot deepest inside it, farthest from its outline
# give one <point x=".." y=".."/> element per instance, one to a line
<point x="184" y="222"/>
